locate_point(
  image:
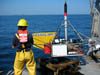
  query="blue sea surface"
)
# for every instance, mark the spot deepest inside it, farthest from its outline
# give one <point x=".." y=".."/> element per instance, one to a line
<point x="37" y="23"/>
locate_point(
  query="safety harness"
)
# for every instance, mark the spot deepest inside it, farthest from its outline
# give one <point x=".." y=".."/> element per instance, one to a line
<point x="23" y="37"/>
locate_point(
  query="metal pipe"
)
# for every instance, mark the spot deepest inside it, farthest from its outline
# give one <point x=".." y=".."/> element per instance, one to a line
<point x="65" y="19"/>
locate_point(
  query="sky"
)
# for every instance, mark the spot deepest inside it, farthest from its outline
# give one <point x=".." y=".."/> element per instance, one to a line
<point x="42" y="7"/>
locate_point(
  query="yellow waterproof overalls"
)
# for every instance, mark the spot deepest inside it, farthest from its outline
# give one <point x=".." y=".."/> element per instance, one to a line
<point x="28" y="58"/>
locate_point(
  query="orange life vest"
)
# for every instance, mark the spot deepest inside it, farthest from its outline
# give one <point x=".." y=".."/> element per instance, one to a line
<point x="23" y="36"/>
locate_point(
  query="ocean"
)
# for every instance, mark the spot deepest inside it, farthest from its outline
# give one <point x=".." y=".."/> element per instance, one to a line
<point x="37" y="23"/>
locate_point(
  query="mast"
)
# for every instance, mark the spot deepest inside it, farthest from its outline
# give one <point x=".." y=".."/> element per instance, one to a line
<point x="95" y="17"/>
<point x="92" y="15"/>
<point x="65" y="19"/>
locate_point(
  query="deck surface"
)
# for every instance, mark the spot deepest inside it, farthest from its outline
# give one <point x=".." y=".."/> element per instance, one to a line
<point x="91" y="68"/>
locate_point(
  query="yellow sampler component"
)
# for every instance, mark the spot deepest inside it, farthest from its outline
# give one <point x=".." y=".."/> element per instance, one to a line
<point x="43" y="38"/>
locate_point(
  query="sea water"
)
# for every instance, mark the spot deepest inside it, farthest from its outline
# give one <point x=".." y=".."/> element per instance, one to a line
<point x="37" y="23"/>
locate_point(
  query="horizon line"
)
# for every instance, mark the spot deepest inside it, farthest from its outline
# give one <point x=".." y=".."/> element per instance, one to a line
<point x="39" y="14"/>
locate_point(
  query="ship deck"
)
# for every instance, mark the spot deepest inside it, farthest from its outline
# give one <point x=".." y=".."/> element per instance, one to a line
<point x="90" y="68"/>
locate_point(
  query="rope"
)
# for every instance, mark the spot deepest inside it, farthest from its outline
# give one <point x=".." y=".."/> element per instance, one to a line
<point x="75" y="31"/>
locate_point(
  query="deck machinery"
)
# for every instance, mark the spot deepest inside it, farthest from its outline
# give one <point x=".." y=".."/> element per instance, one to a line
<point x="60" y="49"/>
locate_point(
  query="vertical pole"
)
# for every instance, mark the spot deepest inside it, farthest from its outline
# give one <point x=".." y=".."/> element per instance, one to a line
<point x="65" y="19"/>
<point x="92" y="17"/>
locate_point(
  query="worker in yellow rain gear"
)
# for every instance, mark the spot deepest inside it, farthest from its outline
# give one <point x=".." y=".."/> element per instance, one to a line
<point x="23" y="41"/>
